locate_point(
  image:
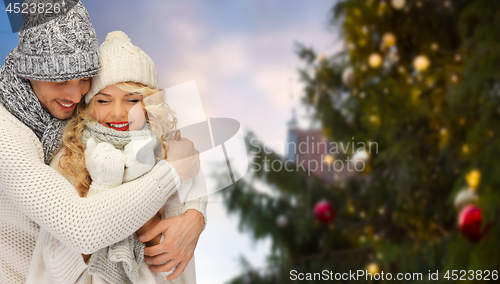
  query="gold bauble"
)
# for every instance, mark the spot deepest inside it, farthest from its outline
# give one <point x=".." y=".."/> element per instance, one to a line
<point x="421" y="63"/>
<point x="329" y="159"/>
<point x="375" y="60"/>
<point x="465" y="149"/>
<point x="473" y="178"/>
<point x="373" y="268"/>
<point x="375" y="119"/>
<point x="389" y="39"/>
<point x="398" y="4"/>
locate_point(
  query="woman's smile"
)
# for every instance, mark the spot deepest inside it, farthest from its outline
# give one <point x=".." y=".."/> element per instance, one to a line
<point x="120" y="126"/>
<point x="118" y="109"/>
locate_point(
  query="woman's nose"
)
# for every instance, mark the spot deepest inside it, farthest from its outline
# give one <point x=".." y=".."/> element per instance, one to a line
<point x="119" y="111"/>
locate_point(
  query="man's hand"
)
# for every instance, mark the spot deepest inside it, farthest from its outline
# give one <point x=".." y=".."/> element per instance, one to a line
<point x="184" y="158"/>
<point x="181" y="237"/>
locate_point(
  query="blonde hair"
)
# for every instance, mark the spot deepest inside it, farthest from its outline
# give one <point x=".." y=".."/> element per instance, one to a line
<point x="161" y="121"/>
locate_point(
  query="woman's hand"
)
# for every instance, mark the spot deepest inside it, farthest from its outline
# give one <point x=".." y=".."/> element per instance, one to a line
<point x="105" y="163"/>
<point x="182" y="155"/>
<point x="181" y="237"/>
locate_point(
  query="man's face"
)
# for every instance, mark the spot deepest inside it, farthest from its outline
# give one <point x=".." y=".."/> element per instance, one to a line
<point x="60" y="98"/>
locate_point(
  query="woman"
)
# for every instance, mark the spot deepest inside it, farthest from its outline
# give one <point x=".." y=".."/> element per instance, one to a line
<point x="116" y="136"/>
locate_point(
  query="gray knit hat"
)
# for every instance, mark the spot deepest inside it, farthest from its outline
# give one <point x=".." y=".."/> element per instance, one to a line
<point x="57" y="46"/>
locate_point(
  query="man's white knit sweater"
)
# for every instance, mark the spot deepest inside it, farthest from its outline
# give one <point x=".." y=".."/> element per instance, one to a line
<point x="32" y="195"/>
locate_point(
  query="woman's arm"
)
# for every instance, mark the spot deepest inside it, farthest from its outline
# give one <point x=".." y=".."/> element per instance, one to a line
<point x="84" y="224"/>
<point x="148" y="226"/>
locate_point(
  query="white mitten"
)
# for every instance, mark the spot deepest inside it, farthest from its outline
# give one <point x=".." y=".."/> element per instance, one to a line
<point x="140" y="157"/>
<point x="105" y="163"/>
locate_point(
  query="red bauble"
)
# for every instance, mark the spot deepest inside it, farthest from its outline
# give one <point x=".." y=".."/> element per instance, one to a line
<point x="324" y="211"/>
<point x="469" y="221"/>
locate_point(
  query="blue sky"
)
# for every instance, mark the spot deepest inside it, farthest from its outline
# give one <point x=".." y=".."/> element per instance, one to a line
<point x="241" y="55"/>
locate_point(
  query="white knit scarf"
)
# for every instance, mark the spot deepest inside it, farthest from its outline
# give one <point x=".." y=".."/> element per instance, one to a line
<point x="17" y="95"/>
<point x="119" y="262"/>
<point x="118" y="139"/>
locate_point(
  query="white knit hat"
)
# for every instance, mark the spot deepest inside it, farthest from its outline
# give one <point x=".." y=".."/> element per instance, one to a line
<point x="121" y="61"/>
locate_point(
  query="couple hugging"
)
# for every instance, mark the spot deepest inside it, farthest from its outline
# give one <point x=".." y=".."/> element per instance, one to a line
<point x="96" y="185"/>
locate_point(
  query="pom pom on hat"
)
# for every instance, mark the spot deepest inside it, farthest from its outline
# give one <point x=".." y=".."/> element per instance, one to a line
<point x="119" y="35"/>
<point x="121" y="61"/>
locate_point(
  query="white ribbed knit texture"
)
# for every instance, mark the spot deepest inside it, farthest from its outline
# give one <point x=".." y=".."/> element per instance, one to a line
<point x="55" y="263"/>
<point x="121" y="61"/>
<point x="32" y="193"/>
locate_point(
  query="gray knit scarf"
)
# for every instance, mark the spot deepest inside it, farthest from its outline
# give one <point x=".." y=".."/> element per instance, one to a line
<point x="17" y="95"/>
<point x="119" y="262"/>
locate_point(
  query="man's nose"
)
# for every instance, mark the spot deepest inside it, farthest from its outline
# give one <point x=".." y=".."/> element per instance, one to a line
<point x="73" y="92"/>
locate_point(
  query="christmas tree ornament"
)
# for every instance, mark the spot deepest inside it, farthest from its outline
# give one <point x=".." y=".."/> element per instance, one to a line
<point x="465" y="149"/>
<point x="381" y="211"/>
<point x="388" y="39"/>
<point x="473" y="178"/>
<point x="360" y="156"/>
<point x="282" y="221"/>
<point x="324" y="211"/>
<point x="434" y="46"/>
<point x="398" y="4"/>
<point x="421" y="63"/>
<point x="381" y="8"/>
<point x="364" y="29"/>
<point x="469" y="222"/>
<point x="375" y="119"/>
<point x="328" y="159"/>
<point x="464" y="197"/>
<point x="348" y="76"/>
<point x="375" y="60"/>
<point x="362" y="239"/>
<point x="373" y="268"/>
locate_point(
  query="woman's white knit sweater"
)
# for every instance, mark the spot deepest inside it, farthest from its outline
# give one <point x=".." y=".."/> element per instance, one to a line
<point x="32" y="195"/>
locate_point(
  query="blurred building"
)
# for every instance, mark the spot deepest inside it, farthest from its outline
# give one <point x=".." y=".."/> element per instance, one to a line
<point x="311" y="149"/>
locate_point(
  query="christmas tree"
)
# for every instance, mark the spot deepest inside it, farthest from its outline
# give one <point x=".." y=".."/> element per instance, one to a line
<point x="420" y="79"/>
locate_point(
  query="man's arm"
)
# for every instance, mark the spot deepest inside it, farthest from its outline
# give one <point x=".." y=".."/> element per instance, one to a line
<point x="85" y="224"/>
<point x="182" y="232"/>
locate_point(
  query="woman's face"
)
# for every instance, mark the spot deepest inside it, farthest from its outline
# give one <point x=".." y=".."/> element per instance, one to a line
<point x="119" y="109"/>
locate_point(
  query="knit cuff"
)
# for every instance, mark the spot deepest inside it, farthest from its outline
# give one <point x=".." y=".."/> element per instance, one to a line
<point x="199" y="205"/>
<point x="166" y="175"/>
<point x="177" y="179"/>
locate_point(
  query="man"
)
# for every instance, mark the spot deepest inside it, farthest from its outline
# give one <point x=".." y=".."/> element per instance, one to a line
<point x="41" y="82"/>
